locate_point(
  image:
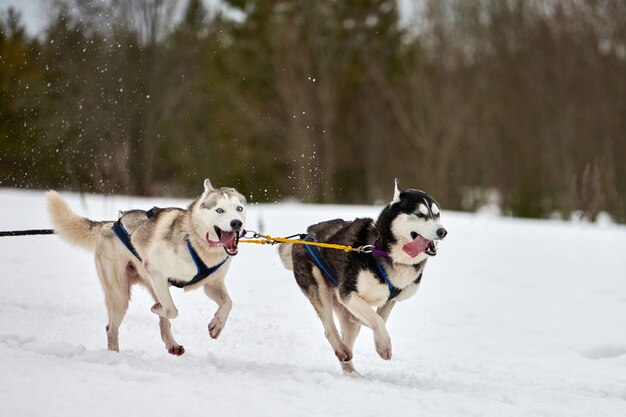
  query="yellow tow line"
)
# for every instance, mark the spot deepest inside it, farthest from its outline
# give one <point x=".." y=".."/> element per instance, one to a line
<point x="260" y="239"/>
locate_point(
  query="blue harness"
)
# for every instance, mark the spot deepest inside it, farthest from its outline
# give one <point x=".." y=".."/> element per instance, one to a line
<point x="203" y="270"/>
<point x="320" y="261"/>
<point x="124" y="237"/>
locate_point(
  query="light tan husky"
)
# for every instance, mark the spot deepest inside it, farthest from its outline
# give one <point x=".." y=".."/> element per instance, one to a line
<point x="189" y="248"/>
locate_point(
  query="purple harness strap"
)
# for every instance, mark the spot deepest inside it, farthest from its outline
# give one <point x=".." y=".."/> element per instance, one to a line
<point x="377" y="251"/>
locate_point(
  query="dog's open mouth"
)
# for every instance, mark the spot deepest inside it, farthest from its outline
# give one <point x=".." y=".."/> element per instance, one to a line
<point x="419" y="245"/>
<point x="228" y="240"/>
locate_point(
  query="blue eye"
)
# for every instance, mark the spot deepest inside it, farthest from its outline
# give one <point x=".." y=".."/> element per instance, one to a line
<point x="219" y="210"/>
<point x="239" y="209"/>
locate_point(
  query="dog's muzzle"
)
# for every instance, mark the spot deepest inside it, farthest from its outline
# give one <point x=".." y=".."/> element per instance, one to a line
<point x="228" y="240"/>
<point x="419" y="245"/>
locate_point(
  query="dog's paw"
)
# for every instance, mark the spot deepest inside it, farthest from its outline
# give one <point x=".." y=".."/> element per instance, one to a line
<point x="215" y="327"/>
<point x="348" y="369"/>
<point x="157" y="309"/>
<point x="383" y="347"/>
<point x="176" y="350"/>
<point x="343" y="353"/>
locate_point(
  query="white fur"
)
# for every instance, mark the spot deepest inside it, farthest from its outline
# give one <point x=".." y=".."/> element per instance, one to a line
<point x="404" y="224"/>
<point x="402" y="227"/>
<point x="402" y="275"/>
<point x="160" y="256"/>
<point x="210" y="216"/>
<point x="423" y="209"/>
<point x="396" y="192"/>
<point x="284" y="251"/>
<point x="374" y="292"/>
<point x="408" y="292"/>
<point x="364" y="312"/>
<point x="434" y="209"/>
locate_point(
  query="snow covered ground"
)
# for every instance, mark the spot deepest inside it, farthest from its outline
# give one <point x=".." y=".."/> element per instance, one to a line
<point x="514" y="318"/>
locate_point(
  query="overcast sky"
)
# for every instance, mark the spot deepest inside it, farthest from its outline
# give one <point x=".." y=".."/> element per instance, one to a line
<point x="34" y="11"/>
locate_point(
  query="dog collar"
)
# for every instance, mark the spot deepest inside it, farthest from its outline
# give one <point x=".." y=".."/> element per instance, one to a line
<point x="379" y="252"/>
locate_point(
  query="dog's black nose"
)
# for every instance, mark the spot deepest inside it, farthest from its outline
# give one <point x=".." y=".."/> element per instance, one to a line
<point x="441" y="233"/>
<point x="236" y="225"/>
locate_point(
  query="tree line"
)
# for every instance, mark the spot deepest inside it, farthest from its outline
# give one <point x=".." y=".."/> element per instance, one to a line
<point x="519" y="101"/>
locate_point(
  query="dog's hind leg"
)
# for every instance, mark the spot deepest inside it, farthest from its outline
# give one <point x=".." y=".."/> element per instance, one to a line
<point x="116" y="296"/>
<point x="216" y="291"/>
<point x="117" y="311"/>
<point x="350" y="328"/>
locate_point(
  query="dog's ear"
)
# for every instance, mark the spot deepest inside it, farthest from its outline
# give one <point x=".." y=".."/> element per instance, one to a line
<point x="208" y="187"/>
<point x="396" y="193"/>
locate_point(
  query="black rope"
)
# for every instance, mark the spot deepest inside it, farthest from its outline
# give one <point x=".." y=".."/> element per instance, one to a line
<point x="26" y="232"/>
<point x="301" y="236"/>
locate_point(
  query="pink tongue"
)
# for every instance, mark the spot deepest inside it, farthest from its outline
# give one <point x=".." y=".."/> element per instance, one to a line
<point x="417" y="246"/>
<point x="227" y="237"/>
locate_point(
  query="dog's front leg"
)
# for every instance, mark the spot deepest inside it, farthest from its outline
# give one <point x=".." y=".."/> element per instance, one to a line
<point x="385" y="310"/>
<point x="361" y="310"/>
<point x="216" y="291"/>
<point x="165" y="306"/>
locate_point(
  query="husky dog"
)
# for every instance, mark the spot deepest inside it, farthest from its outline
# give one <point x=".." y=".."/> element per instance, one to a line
<point x="350" y="284"/>
<point x="157" y="248"/>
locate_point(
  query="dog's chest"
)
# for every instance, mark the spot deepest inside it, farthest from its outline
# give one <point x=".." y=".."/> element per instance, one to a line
<point x="402" y="276"/>
<point x="176" y="262"/>
<point x="173" y="264"/>
<point x="371" y="289"/>
<point x="375" y="292"/>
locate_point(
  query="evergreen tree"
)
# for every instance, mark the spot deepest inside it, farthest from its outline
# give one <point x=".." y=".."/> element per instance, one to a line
<point x="25" y="160"/>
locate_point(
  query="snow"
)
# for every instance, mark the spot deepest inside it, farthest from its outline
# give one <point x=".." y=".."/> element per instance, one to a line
<point x="514" y="318"/>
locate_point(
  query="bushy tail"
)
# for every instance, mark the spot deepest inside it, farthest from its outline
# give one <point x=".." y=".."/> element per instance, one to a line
<point x="70" y="226"/>
<point x="284" y="250"/>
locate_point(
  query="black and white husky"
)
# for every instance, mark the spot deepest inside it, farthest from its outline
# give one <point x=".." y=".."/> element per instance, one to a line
<point x="157" y="248"/>
<point x="404" y="236"/>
